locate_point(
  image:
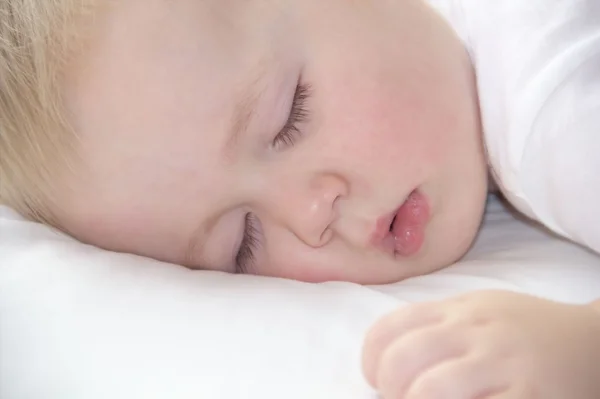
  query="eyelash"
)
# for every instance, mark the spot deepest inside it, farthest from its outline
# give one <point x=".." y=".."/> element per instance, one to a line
<point x="298" y="114"/>
<point x="287" y="137"/>
<point x="245" y="256"/>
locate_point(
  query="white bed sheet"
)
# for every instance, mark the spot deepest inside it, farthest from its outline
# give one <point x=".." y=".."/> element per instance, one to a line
<point x="80" y="323"/>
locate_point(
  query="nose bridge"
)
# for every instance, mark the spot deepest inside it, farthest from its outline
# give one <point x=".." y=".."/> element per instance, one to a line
<point x="305" y="204"/>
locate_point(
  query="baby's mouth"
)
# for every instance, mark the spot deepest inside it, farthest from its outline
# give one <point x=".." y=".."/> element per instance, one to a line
<point x="402" y="233"/>
<point x="392" y="224"/>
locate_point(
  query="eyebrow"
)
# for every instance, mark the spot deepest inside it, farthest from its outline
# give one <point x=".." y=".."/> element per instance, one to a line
<point x="244" y="111"/>
<point x="197" y="242"/>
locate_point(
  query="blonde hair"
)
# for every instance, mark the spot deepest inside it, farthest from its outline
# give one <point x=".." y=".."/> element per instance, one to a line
<point x="36" y="37"/>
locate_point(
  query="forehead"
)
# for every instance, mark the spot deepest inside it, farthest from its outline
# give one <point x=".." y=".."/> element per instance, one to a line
<point x="161" y="66"/>
<point x="220" y="24"/>
<point x="216" y="45"/>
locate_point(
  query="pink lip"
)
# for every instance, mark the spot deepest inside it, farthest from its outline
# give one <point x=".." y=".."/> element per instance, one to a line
<point x="402" y="232"/>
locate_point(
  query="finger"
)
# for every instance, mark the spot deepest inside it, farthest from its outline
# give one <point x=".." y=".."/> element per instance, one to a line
<point x="390" y="328"/>
<point x="467" y="377"/>
<point x="413" y="355"/>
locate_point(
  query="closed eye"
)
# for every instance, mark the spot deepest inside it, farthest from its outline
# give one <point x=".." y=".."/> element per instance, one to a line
<point x="299" y="114"/>
<point x="246" y="254"/>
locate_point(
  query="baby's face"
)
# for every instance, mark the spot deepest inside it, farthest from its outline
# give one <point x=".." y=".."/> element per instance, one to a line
<point x="314" y="140"/>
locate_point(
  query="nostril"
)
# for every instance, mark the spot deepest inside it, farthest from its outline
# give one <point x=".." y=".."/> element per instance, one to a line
<point x="326" y="237"/>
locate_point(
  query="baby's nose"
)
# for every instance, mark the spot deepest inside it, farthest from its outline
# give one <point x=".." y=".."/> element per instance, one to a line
<point x="309" y="210"/>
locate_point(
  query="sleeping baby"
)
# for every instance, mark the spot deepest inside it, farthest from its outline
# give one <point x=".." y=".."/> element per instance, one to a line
<point x="323" y="140"/>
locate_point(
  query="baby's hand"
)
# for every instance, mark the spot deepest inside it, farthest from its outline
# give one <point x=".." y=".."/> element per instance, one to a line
<point x="484" y="345"/>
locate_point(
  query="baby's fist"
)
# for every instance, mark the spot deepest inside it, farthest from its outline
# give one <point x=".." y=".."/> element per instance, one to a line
<point x="483" y="345"/>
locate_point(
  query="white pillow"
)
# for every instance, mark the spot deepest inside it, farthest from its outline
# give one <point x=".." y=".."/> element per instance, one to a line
<point x="80" y="323"/>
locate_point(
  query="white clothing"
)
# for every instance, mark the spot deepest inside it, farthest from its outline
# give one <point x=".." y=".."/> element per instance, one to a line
<point x="538" y="73"/>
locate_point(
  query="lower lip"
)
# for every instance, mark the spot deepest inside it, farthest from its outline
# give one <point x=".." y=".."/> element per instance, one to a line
<point x="407" y="234"/>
